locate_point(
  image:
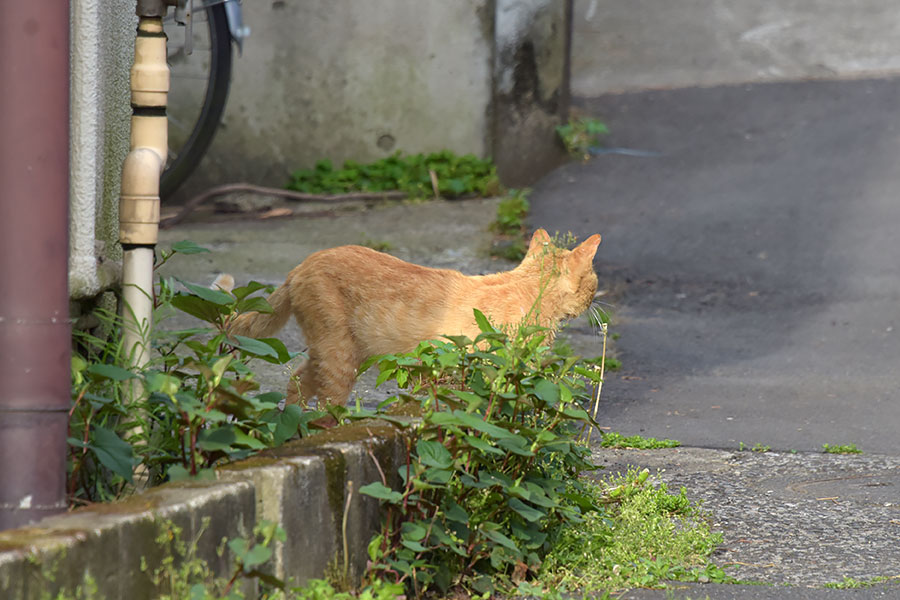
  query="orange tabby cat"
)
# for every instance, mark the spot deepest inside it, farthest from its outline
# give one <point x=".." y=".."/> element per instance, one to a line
<point x="353" y="302"/>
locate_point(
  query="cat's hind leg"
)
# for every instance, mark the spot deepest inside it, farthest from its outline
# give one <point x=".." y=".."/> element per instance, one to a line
<point x="329" y="376"/>
<point x="330" y="372"/>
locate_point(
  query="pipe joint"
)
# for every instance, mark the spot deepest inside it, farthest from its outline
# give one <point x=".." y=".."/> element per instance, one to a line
<point x="150" y="73"/>
<point x="139" y="199"/>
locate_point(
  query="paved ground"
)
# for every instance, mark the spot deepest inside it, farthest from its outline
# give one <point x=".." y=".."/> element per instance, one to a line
<point x="753" y="264"/>
<point x="753" y="276"/>
<point x="623" y="46"/>
<point x="753" y="272"/>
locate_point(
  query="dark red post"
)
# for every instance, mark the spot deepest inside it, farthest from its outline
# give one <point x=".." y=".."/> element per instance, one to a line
<point x="34" y="299"/>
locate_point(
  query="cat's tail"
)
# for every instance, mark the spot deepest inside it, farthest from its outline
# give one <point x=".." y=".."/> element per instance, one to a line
<point x="257" y="324"/>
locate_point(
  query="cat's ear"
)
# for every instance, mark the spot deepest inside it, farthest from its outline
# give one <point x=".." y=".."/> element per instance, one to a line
<point x="538" y="240"/>
<point x="588" y="248"/>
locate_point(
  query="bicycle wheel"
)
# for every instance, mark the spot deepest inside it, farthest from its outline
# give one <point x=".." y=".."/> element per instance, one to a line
<point x="198" y="91"/>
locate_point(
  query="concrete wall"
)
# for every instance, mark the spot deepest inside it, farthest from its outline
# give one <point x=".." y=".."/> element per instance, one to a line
<point x="304" y="486"/>
<point x="622" y="45"/>
<point x="531" y="87"/>
<point x="326" y="79"/>
<point x="102" y="46"/>
<point x="349" y="79"/>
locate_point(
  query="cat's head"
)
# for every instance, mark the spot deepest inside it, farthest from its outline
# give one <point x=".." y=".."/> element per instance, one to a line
<point x="573" y="277"/>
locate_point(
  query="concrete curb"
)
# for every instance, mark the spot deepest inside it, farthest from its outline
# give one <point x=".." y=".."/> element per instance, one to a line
<point x="303" y="486"/>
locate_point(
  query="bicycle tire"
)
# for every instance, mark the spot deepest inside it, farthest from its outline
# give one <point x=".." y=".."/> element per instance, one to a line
<point x="189" y="155"/>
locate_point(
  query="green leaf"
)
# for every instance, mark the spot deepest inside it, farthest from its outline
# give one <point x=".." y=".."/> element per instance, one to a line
<point x="110" y="372"/>
<point x="547" y="391"/>
<point x="434" y="454"/>
<point x="374" y="547"/>
<point x="217" y="297"/>
<point x="239" y="546"/>
<point x="414" y="546"/>
<point x="592" y="374"/>
<point x="211" y="440"/>
<point x="437" y="476"/>
<point x="113" y="452"/>
<point x="245" y="290"/>
<point x="412" y="531"/>
<point x="515" y="444"/>
<point x="490" y="531"/>
<point x="448" y="359"/>
<point x="454" y="512"/>
<point x="243" y="439"/>
<point x="283" y="354"/>
<point x="528" y="513"/>
<point x="529" y="534"/>
<point x="255" y="304"/>
<point x="188" y="247"/>
<point x="78" y="364"/>
<point x="287" y="422"/>
<point x="178" y="473"/>
<point x="198" y="592"/>
<point x="475" y="422"/>
<point x="162" y="383"/>
<point x="382" y="492"/>
<point x="256" y="556"/>
<point x="255" y="347"/>
<point x="368" y="363"/>
<point x="483" y="323"/>
<point x="460" y="341"/>
<point x="473" y="400"/>
<point x="565" y="394"/>
<point x="198" y="307"/>
<point x="221" y="365"/>
<point x="483" y="446"/>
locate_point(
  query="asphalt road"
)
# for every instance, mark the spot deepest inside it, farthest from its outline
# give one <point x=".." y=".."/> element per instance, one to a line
<point x="754" y="265"/>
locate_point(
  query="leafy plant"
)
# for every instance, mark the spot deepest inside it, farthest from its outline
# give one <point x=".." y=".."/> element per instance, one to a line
<point x="511" y="213"/>
<point x="579" y="134"/>
<point x="183" y="574"/>
<point x="194" y="405"/>
<point x="491" y="469"/>
<point x="510" y="226"/>
<point x="611" y="439"/>
<point x="645" y="537"/>
<point x="320" y="589"/>
<point x="420" y="175"/>
<point x="849" y="583"/>
<point x="840" y="449"/>
<point x="378" y="245"/>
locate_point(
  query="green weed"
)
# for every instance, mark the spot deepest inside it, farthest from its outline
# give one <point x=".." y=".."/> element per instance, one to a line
<point x="840" y="449"/>
<point x="579" y="134"/>
<point x="492" y="467"/>
<point x="195" y="405"/>
<point x="645" y="537"/>
<point x="378" y="245"/>
<point x="419" y="175"/>
<point x="510" y="226"/>
<point x="511" y="213"/>
<point x="612" y="439"/>
<point x="851" y="583"/>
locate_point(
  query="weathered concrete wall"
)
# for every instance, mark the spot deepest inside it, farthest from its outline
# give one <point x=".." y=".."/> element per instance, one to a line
<point x="102" y="35"/>
<point x="531" y="86"/>
<point x="304" y="486"/>
<point x="360" y="80"/>
<point x="621" y="45"/>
